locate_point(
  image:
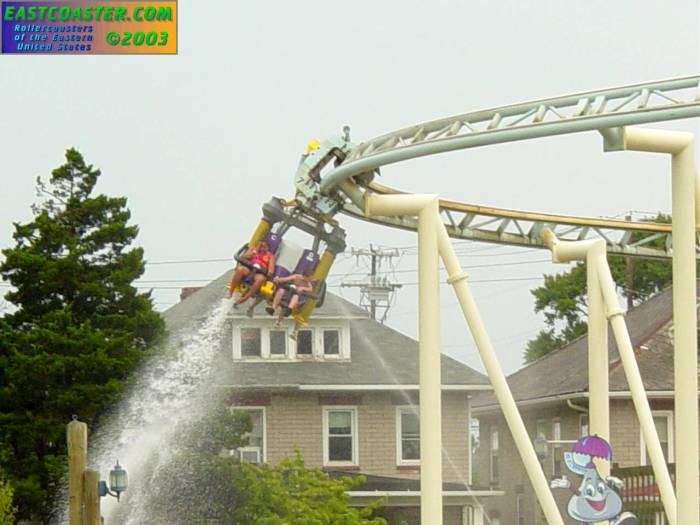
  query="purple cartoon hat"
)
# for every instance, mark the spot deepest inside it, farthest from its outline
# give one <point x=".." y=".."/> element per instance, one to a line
<point x="594" y="446"/>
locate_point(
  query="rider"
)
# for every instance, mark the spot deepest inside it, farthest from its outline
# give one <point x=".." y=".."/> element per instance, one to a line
<point x="263" y="260"/>
<point x="298" y="283"/>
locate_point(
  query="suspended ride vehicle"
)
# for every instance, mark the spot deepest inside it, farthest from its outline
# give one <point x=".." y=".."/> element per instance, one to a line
<point x="311" y="213"/>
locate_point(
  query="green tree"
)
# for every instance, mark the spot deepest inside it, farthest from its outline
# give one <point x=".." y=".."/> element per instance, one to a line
<point x="79" y="326"/>
<point x="563" y="300"/>
<point x="291" y="493"/>
<point x="7" y="510"/>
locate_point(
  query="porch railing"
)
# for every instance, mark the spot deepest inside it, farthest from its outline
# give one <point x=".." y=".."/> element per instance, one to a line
<point x="641" y="493"/>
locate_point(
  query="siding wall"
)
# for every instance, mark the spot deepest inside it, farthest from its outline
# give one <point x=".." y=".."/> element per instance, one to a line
<point x="294" y="420"/>
<point x="625" y="441"/>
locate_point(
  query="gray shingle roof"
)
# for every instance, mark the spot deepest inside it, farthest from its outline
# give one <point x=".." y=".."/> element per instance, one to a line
<point x="379" y="355"/>
<point x="386" y="483"/>
<point x="565" y="371"/>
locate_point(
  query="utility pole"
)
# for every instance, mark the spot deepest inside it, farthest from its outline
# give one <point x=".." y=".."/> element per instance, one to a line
<point x="373" y="301"/>
<point x="375" y="290"/>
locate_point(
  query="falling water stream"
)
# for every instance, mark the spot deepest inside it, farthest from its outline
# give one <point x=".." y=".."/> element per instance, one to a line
<point x="171" y="389"/>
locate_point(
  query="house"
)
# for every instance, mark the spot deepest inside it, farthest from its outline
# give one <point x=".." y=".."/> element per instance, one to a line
<point x="552" y="395"/>
<point x="345" y="394"/>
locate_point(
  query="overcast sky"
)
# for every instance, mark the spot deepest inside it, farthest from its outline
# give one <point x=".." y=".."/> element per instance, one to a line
<point x="198" y="141"/>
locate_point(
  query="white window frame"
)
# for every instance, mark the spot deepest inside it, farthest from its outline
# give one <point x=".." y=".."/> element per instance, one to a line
<point x="399" y="446"/>
<point x="287" y="345"/>
<point x="263" y="456"/>
<point x="671" y="437"/>
<point x="238" y="347"/>
<point x="317" y="330"/>
<point x="321" y="344"/>
<point x="494" y="452"/>
<point x="314" y="344"/>
<point x="355" y="431"/>
<point x="556" y="444"/>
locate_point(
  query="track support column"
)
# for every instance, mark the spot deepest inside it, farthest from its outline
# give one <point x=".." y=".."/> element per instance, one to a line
<point x="498" y="380"/>
<point x="426" y="208"/>
<point x="598" y="360"/>
<point x="684" y="186"/>
<point x="606" y="304"/>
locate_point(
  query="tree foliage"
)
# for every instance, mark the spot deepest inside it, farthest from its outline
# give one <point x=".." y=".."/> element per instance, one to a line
<point x="7" y="509"/>
<point x="290" y="493"/>
<point x="77" y="329"/>
<point x="562" y="298"/>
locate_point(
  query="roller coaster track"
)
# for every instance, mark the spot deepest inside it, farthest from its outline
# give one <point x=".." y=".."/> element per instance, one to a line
<point x="606" y="111"/>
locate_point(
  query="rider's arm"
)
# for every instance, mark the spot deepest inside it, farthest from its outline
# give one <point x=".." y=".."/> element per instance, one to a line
<point x="287" y="279"/>
<point x="271" y="267"/>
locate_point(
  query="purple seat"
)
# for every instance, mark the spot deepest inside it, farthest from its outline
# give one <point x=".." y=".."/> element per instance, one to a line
<point x="281" y="272"/>
<point x="273" y="241"/>
<point x="309" y="260"/>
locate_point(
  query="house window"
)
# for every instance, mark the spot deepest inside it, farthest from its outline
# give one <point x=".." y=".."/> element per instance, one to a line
<point x="340" y="436"/>
<point x="583" y="425"/>
<point x="541" y="429"/>
<point x="520" y="509"/>
<point x="251" y="342"/>
<point x="305" y="342"/>
<point x="556" y="449"/>
<point x="663" y="421"/>
<point x="407" y="436"/>
<point x="493" y="452"/>
<point x="468" y="517"/>
<point x="278" y="343"/>
<point x="331" y="342"/>
<point x="254" y="451"/>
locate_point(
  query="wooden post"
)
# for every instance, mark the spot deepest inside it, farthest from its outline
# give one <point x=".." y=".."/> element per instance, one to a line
<point x="77" y="461"/>
<point x="91" y="498"/>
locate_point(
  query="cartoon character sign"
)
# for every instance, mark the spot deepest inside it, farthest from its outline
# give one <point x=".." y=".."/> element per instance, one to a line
<point x="596" y="499"/>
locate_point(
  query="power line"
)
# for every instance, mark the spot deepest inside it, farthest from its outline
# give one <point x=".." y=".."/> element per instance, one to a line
<point x="505" y="279"/>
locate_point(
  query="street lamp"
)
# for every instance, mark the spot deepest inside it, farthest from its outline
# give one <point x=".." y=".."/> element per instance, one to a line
<point x="118" y="482"/>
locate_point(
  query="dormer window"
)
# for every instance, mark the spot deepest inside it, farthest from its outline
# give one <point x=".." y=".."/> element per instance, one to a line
<point x="259" y="339"/>
<point x="305" y="343"/>
<point x="251" y="342"/>
<point x="278" y="343"/>
<point x="331" y="342"/>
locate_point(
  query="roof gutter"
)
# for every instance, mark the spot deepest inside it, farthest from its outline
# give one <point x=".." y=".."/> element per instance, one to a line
<point x="360" y="388"/>
<point x="619" y="394"/>
<point x="578" y="408"/>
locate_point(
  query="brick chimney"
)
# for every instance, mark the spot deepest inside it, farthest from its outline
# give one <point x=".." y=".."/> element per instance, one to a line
<point x="187" y="291"/>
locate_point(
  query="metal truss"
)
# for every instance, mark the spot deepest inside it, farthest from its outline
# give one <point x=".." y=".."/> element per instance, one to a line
<point x="592" y="110"/>
<point x="605" y="111"/>
<point x="522" y="228"/>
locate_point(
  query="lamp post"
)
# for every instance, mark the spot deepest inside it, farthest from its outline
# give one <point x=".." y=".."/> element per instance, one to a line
<point x="118" y="482"/>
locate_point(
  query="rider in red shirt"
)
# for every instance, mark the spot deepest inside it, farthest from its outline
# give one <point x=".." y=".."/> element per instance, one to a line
<point x="263" y="259"/>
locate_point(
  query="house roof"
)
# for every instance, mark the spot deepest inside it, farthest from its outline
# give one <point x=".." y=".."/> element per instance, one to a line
<point x="565" y="370"/>
<point x="380" y="355"/>
<point x="389" y="484"/>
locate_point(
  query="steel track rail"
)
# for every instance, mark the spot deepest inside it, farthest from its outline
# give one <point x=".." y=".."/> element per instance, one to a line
<point x="592" y="110"/>
<point x="522" y="228"/>
<point x="588" y="111"/>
